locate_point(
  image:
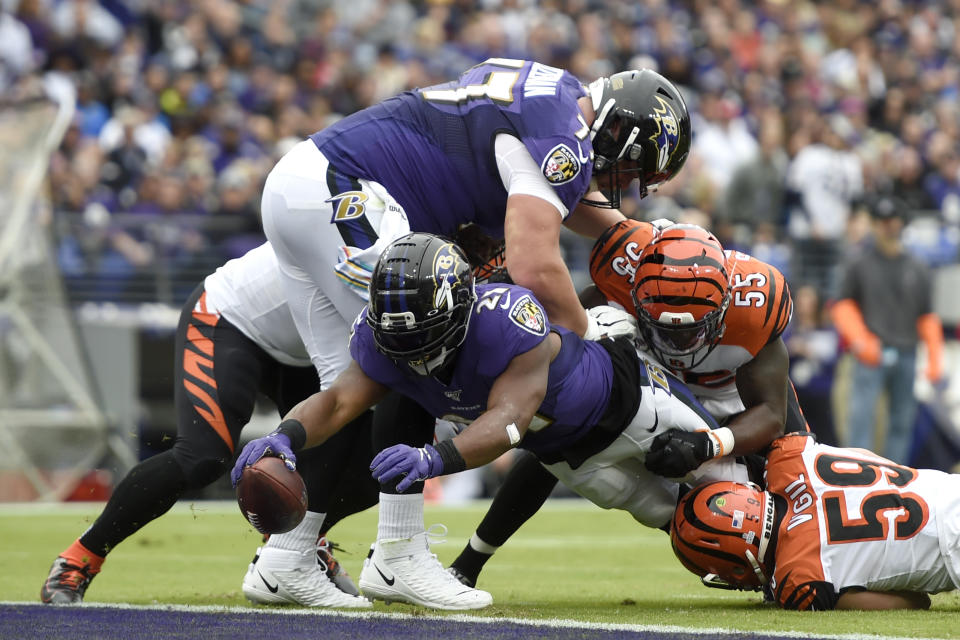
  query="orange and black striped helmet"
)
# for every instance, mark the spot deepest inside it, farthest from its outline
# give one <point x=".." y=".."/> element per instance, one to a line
<point x="681" y="292"/>
<point x="494" y="269"/>
<point x="721" y="532"/>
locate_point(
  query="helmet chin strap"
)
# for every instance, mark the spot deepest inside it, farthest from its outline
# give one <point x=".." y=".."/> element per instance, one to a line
<point x="431" y="366"/>
<point x="769" y="514"/>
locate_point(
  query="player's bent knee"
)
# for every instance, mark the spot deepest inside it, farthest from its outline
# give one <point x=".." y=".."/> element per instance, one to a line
<point x="201" y="472"/>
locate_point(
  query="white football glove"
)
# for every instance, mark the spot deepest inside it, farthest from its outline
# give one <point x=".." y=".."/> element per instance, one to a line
<point x="609" y="322"/>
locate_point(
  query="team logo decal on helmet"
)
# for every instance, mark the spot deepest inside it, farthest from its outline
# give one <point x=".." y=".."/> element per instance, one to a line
<point x="667" y="135"/>
<point x="421" y="300"/>
<point x="721" y="531"/>
<point x="561" y="165"/>
<point x="528" y="315"/>
<point x="446" y="274"/>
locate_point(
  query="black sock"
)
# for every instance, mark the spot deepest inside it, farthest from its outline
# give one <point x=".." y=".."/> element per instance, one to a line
<point x="524" y="490"/>
<point x="470" y="563"/>
<point x="145" y="493"/>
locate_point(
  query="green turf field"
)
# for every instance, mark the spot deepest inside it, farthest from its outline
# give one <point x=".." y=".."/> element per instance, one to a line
<point x="572" y="561"/>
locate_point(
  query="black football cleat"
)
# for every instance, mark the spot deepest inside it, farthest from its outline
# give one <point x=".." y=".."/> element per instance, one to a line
<point x="462" y="577"/>
<point x="334" y="569"/>
<point x="66" y="583"/>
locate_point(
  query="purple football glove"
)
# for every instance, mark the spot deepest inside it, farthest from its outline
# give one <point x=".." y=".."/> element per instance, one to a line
<point x="274" y="444"/>
<point x="417" y="464"/>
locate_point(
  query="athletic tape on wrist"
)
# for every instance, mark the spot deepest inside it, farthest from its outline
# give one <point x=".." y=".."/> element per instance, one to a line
<point x="723" y="439"/>
<point x="453" y="462"/>
<point x="294" y="430"/>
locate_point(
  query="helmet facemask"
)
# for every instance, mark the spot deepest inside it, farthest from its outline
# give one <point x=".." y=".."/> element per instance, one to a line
<point x="677" y="339"/>
<point x="681" y="294"/>
<point x="421" y="300"/>
<point x="425" y="347"/>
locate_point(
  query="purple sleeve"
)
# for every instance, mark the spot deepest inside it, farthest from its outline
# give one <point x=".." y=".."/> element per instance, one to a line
<point x="565" y="163"/>
<point x="556" y="135"/>
<point x="513" y="326"/>
<point x="363" y="350"/>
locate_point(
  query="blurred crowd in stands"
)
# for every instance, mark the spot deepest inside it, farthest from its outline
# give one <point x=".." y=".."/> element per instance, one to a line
<point x="802" y="111"/>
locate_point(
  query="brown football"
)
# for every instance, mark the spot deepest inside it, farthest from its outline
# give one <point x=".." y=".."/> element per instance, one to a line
<point x="271" y="497"/>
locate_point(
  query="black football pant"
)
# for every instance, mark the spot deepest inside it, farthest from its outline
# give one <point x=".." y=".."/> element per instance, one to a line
<point x="218" y="373"/>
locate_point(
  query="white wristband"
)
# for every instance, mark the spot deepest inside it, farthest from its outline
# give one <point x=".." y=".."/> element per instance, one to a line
<point x="723" y="441"/>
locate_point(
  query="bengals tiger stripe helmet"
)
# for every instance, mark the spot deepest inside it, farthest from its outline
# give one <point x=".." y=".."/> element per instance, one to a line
<point x="681" y="293"/>
<point x="721" y="531"/>
<point x="493" y="270"/>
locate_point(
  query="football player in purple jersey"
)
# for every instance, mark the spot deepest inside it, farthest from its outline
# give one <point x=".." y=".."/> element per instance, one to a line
<point x="517" y="148"/>
<point x="487" y="356"/>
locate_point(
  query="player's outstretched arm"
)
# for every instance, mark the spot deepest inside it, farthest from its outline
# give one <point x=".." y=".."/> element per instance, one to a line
<point x="587" y="220"/>
<point x="324" y="413"/>
<point x="514" y="399"/>
<point x="532" y="236"/>
<point x="314" y="419"/>
<point x="876" y="600"/>
<point x="763" y="385"/>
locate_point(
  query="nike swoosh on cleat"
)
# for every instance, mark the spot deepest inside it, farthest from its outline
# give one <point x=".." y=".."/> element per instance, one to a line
<point x="271" y="587"/>
<point x="389" y="581"/>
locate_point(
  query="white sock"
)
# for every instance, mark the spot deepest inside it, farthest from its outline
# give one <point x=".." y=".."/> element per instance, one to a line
<point x="400" y="516"/>
<point x="482" y="547"/>
<point x="302" y="537"/>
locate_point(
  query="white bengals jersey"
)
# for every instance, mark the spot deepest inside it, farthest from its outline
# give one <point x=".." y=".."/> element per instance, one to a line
<point x="856" y="520"/>
<point x="248" y="293"/>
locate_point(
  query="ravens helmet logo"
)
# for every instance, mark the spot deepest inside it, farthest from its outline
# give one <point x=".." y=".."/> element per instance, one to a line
<point x="446" y="268"/>
<point x="667" y="135"/>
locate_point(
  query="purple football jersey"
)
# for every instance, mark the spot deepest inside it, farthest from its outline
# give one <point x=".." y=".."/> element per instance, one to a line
<point x="433" y="148"/>
<point x="506" y="321"/>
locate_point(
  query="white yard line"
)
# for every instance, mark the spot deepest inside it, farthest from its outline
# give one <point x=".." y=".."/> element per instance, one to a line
<point x="464" y="618"/>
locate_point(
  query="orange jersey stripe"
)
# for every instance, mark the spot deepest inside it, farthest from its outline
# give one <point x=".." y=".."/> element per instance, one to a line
<point x="761" y="307"/>
<point x="613" y="260"/>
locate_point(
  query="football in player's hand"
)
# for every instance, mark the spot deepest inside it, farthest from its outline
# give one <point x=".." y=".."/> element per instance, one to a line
<point x="272" y="497"/>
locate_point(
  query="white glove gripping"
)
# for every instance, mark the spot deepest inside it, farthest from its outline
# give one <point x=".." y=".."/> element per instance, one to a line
<point x="662" y="223"/>
<point x="609" y="322"/>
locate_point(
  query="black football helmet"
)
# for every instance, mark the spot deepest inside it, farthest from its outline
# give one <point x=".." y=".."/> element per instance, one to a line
<point x="421" y="299"/>
<point x="641" y="125"/>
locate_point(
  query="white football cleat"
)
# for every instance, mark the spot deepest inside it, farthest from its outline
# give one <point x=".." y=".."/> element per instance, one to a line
<point x="281" y="576"/>
<point x="404" y="570"/>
